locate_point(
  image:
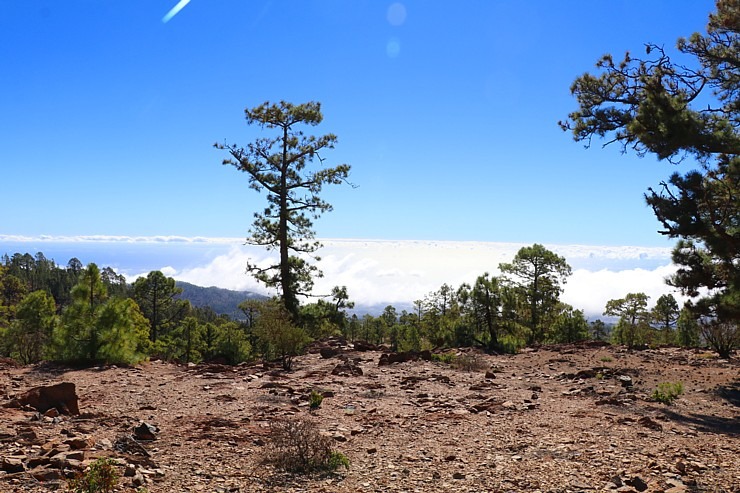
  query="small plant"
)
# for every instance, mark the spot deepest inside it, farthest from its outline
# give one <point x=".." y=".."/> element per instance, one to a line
<point x="297" y="446"/>
<point x="446" y="358"/>
<point x="100" y="477"/>
<point x="606" y="359"/>
<point x="337" y="460"/>
<point x="315" y="399"/>
<point x="667" y="392"/>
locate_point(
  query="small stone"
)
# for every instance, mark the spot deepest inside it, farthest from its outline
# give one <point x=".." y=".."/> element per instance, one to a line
<point x="12" y="464"/>
<point x="51" y="413"/>
<point x="145" y="431"/>
<point x="80" y="443"/>
<point x="508" y="405"/>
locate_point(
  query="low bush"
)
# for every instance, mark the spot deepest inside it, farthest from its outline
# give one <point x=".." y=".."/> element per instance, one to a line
<point x="100" y="477"/>
<point x="447" y="358"/>
<point x="667" y="392"/>
<point x="470" y="362"/>
<point x="297" y="446"/>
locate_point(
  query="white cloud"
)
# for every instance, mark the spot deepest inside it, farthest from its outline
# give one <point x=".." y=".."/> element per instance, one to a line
<point x="589" y="291"/>
<point x="399" y="272"/>
<point x="113" y="239"/>
<point x="376" y="271"/>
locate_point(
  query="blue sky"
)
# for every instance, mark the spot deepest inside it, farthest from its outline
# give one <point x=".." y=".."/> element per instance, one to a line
<point x="447" y="112"/>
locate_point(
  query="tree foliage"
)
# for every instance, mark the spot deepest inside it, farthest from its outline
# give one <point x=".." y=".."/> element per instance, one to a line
<point x="30" y="333"/>
<point x="672" y="110"/>
<point x="539" y="274"/>
<point x="278" y="166"/>
<point x="569" y="325"/>
<point x="279" y="337"/>
<point x="156" y="295"/>
<point x="665" y="315"/>
<point x="633" y="318"/>
<point x="95" y="328"/>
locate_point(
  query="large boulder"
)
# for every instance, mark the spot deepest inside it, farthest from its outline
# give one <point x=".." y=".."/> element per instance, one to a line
<point x="62" y="397"/>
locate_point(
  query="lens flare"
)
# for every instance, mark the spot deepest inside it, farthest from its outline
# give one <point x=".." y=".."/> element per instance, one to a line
<point x="175" y="10"/>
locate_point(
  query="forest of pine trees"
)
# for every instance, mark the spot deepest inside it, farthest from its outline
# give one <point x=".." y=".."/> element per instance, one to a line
<point x="85" y="314"/>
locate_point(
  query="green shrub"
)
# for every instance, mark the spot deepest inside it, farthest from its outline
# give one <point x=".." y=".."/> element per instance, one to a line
<point x="337" y="460"/>
<point x="315" y="399"/>
<point x="100" y="477"/>
<point x="667" y="392"/>
<point x="511" y="344"/>
<point x="447" y="358"/>
<point x="606" y="359"/>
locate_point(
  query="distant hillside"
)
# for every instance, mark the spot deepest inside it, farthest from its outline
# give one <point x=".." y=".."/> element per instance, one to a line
<point x="222" y="301"/>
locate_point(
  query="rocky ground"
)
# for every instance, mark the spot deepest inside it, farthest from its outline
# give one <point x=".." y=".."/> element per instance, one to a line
<point x="554" y="419"/>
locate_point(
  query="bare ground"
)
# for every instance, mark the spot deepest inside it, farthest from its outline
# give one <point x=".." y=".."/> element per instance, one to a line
<point x="555" y="419"/>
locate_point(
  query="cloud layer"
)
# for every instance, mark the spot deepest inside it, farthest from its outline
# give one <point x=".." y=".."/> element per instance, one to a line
<point x="380" y="272"/>
<point x="376" y="272"/>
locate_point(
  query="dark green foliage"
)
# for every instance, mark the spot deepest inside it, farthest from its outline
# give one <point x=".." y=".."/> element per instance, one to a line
<point x="277" y="166"/>
<point x="446" y="358"/>
<point x="94" y="328"/>
<point x="538" y="274"/>
<point x="633" y="318"/>
<point x="37" y="273"/>
<point x="665" y="315"/>
<point x="687" y="329"/>
<point x="492" y="313"/>
<point x="278" y="336"/>
<point x="327" y="317"/>
<point x="30" y="333"/>
<point x="677" y="111"/>
<point x="487" y="303"/>
<point x="232" y="344"/>
<point x="157" y="296"/>
<point x="599" y="330"/>
<point x="569" y="326"/>
<point x="184" y="343"/>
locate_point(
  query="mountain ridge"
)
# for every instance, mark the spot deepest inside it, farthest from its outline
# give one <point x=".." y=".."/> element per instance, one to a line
<point x="221" y="300"/>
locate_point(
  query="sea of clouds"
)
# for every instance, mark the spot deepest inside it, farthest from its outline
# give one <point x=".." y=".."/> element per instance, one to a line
<point x="376" y="272"/>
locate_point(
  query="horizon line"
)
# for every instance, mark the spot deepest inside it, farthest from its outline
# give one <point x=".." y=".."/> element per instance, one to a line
<point x="159" y="239"/>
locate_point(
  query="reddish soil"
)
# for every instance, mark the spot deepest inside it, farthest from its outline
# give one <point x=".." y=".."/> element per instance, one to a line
<point x="555" y="419"/>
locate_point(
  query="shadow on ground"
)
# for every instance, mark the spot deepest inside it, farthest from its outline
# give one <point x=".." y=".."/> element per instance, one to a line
<point x="730" y="392"/>
<point x="705" y="423"/>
